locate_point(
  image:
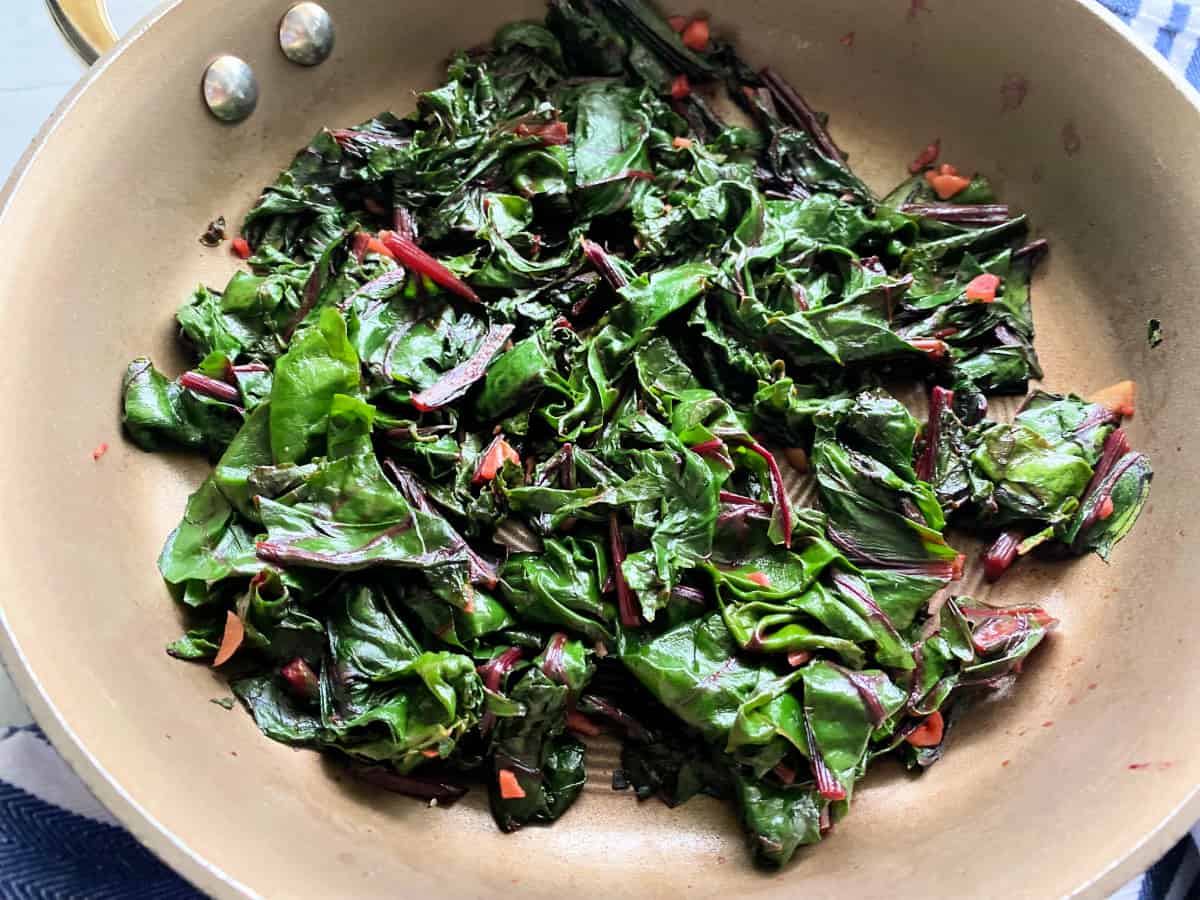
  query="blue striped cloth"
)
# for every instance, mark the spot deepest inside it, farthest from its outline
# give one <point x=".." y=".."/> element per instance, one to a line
<point x="1171" y="27"/>
<point x="57" y="841"/>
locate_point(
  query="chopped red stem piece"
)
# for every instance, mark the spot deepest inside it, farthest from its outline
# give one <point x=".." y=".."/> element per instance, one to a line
<point x="492" y="460"/>
<point x="824" y="820"/>
<point x="100" y="450"/>
<point x="847" y="39"/>
<point x="1106" y="508"/>
<point x="928" y="733"/>
<point x="931" y="347"/>
<point x="510" y="788"/>
<point x="494" y="670"/>
<point x="926" y="157"/>
<point x="680" y="87"/>
<point x="301" y="679"/>
<point x="599" y="258"/>
<point x="677" y="23"/>
<point x="797" y="658"/>
<point x="759" y="578"/>
<point x="366" y="243"/>
<point x="946" y="182"/>
<point x="552" y="665"/>
<point x="983" y="288"/>
<point x="581" y="724"/>
<point x="413" y="257"/>
<point x="1033" y="248"/>
<point x="210" y="387"/>
<point x="630" y="617"/>
<point x="940" y="399"/>
<point x="1001" y="554"/>
<point x="549" y="133"/>
<point x="457" y="381"/>
<point x="235" y="633"/>
<point x="241" y="248"/>
<point x="695" y="35"/>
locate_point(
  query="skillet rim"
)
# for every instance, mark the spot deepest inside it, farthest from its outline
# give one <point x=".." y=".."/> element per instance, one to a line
<point x="209" y="877"/>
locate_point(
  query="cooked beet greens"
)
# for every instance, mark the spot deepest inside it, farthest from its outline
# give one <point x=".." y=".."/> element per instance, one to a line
<point x="489" y="413"/>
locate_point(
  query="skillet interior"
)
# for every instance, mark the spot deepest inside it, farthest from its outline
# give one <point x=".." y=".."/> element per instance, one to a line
<point x="99" y="245"/>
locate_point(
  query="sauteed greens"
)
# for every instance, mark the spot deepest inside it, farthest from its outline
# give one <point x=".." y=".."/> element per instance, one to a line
<point x="490" y="410"/>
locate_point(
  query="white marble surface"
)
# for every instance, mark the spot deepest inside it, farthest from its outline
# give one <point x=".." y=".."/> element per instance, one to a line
<point x="37" y="67"/>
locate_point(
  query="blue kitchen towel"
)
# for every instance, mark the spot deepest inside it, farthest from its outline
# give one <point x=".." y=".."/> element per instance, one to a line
<point x="57" y="841"/>
<point x="1170" y="27"/>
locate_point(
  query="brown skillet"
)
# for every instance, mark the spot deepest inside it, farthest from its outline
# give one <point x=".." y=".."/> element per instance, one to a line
<point x="1039" y="795"/>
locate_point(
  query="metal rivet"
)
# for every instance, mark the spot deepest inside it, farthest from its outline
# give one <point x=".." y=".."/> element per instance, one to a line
<point x="306" y="34"/>
<point x="230" y="88"/>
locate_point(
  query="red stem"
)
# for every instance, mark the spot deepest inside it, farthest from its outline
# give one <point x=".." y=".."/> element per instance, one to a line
<point x="413" y="257"/>
<point x="493" y="672"/>
<point x="977" y="215"/>
<point x="301" y="679"/>
<point x="1001" y="554"/>
<point x="939" y="400"/>
<point x="801" y="113"/>
<point x="931" y="347"/>
<point x="778" y="492"/>
<point x="630" y="617"/>
<point x="552" y="666"/>
<point x="827" y="784"/>
<point x="599" y="258"/>
<point x="455" y="383"/>
<point x="549" y="133"/>
<point x="210" y="387"/>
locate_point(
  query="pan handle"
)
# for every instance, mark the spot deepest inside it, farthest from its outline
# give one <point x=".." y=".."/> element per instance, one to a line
<point x="85" y="25"/>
